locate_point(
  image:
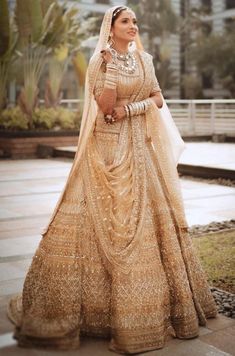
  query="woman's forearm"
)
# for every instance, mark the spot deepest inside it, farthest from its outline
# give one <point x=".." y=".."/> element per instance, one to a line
<point x="158" y="99"/>
<point x="107" y="100"/>
<point x="140" y="107"/>
<point x="108" y="97"/>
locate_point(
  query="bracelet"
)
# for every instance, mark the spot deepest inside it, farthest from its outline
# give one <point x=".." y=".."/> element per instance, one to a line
<point x="138" y="107"/>
<point x="126" y="108"/>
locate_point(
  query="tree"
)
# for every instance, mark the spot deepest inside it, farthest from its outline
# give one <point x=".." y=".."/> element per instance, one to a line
<point x="192" y="86"/>
<point x="8" y="40"/>
<point x="191" y="24"/>
<point x="157" y="20"/>
<point x="210" y="53"/>
<point x="33" y="27"/>
<point x="216" y="54"/>
<point x="67" y="43"/>
<point x="46" y="29"/>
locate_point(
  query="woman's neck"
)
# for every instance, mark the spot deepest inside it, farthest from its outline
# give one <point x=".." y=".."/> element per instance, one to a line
<point x="121" y="48"/>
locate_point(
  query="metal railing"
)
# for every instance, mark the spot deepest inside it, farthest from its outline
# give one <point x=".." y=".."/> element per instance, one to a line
<point x="204" y="117"/>
<point x="194" y="117"/>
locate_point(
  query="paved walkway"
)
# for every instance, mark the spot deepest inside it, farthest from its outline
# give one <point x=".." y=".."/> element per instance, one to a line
<point x="210" y="154"/>
<point x="29" y="190"/>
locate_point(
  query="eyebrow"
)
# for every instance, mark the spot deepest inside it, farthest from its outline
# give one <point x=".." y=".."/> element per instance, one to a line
<point x="128" y="18"/>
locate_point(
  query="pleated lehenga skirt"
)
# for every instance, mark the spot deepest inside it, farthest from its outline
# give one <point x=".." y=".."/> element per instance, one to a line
<point x="68" y="292"/>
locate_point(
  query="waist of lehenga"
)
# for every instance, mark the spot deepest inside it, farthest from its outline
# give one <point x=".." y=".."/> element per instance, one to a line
<point x="100" y="124"/>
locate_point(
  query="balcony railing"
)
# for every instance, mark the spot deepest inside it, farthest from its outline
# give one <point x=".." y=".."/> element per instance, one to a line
<point x="204" y="117"/>
<point x="194" y="117"/>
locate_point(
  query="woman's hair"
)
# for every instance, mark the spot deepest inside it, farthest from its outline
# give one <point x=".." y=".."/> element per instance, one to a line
<point x="117" y="12"/>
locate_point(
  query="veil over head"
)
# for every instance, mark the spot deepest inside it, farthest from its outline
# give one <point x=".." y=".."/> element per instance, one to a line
<point x="106" y="28"/>
<point x="90" y="106"/>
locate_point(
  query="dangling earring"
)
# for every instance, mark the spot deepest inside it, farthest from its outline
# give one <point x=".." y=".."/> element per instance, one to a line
<point x="132" y="46"/>
<point x="111" y="41"/>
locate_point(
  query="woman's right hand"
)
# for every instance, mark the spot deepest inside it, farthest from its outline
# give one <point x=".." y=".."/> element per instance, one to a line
<point x="107" y="56"/>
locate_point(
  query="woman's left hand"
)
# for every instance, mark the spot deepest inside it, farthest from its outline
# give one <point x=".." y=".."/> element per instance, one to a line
<point x="119" y="113"/>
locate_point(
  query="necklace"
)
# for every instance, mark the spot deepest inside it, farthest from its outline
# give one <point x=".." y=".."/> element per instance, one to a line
<point x="129" y="65"/>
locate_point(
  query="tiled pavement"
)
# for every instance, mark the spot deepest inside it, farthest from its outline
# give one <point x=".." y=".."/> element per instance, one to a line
<point x="29" y="190"/>
<point x="209" y="154"/>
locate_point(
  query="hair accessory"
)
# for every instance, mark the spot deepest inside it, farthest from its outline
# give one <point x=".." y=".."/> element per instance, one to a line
<point x="118" y="10"/>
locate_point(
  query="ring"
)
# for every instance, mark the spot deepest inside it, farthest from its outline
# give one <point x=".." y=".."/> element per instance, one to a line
<point x="109" y="119"/>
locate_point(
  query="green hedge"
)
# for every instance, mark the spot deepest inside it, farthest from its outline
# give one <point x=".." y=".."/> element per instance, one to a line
<point x="14" y="119"/>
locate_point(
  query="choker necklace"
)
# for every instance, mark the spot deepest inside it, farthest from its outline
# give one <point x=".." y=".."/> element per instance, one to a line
<point x="124" y="56"/>
<point x="129" y="65"/>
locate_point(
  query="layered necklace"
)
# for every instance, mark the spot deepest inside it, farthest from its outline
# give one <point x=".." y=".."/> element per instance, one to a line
<point x="129" y="64"/>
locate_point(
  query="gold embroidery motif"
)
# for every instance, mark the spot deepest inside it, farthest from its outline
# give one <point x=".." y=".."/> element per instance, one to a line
<point x="117" y="260"/>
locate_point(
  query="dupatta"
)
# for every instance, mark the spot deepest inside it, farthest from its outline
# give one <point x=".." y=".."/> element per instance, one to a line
<point x="165" y="141"/>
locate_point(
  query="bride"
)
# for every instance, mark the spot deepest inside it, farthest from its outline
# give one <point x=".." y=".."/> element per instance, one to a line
<point x="116" y="259"/>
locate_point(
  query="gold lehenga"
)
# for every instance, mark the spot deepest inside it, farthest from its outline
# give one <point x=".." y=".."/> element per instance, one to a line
<point x="116" y="260"/>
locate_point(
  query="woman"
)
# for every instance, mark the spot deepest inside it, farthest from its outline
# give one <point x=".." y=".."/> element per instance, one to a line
<point x="116" y="259"/>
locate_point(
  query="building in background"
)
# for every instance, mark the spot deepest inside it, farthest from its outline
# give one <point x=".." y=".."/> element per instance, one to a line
<point x="175" y="48"/>
<point x="220" y="14"/>
<point x="99" y="6"/>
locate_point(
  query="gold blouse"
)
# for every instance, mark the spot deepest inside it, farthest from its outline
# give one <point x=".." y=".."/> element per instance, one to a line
<point x="126" y="86"/>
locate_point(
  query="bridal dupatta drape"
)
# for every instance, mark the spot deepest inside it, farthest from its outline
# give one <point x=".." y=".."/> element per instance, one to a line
<point x="175" y="144"/>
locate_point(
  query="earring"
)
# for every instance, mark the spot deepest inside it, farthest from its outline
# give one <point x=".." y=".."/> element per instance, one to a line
<point x="132" y="46"/>
<point x="111" y="40"/>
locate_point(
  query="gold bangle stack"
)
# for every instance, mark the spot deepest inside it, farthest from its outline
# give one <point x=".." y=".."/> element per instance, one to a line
<point x="137" y="108"/>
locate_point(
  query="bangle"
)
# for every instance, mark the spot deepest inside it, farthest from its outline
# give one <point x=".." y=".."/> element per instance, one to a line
<point x="127" y="111"/>
<point x="130" y="107"/>
<point x="138" y="107"/>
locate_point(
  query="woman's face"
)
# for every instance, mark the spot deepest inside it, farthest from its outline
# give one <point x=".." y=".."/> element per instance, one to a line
<point x="125" y="27"/>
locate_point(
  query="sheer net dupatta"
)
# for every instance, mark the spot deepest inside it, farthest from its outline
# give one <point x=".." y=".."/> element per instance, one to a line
<point x="47" y="313"/>
<point x="90" y="106"/>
